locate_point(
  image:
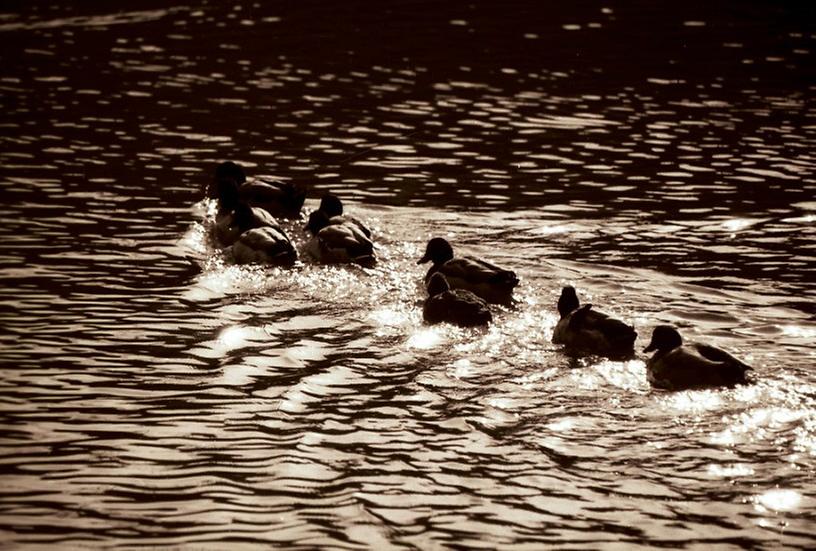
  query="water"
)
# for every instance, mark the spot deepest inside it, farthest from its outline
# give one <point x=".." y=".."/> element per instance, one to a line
<point x="153" y="395"/>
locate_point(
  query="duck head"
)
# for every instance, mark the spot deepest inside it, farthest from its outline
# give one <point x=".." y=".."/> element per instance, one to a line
<point x="227" y="174"/>
<point x="227" y="194"/>
<point x="331" y="205"/>
<point x="438" y="250"/>
<point x="568" y="301"/>
<point x="230" y="171"/>
<point x="317" y="221"/>
<point x="228" y="178"/>
<point x="664" y="338"/>
<point x="438" y="284"/>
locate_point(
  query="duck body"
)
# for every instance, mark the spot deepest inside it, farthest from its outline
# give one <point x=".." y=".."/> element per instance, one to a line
<point x="586" y="331"/>
<point x="230" y="224"/>
<point x="456" y="306"/>
<point x="265" y="245"/>
<point x="230" y="186"/>
<point x="332" y="207"/>
<point x="678" y="366"/>
<point x="487" y="281"/>
<point x="284" y="200"/>
<point x="316" y="223"/>
<point x="338" y="241"/>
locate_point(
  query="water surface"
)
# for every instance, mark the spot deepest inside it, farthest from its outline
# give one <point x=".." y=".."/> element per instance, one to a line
<point x="154" y="395"/>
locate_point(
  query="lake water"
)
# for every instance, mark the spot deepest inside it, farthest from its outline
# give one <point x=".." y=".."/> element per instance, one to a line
<point x="659" y="158"/>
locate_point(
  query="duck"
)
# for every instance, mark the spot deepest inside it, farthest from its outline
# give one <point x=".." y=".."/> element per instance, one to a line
<point x="338" y="243"/>
<point x="583" y="330"/>
<point x="456" y="306"/>
<point x="230" y="224"/>
<point x="265" y="245"/>
<point x="678" y="366"/>
<point x="487" y="281"/>
<point x="332" y="207"/>
<point x="281" y="199"/>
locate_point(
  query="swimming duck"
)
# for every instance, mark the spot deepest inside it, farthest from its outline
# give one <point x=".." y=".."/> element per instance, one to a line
<point x="676" y="366"/>
<point x="485" y="280"/>
<point x="455" y="306"/>
<point x="332" y="207"/>
<point x="229" y="225"/>
<point x="282" y="199"/>
<point x="338" y="243"/>
<point x="588" y="331"/>
<point x="266" y="245"/>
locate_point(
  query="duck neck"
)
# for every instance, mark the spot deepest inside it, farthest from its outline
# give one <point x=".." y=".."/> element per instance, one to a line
<point x="566" y="305"/>
<point x="442" y="258"/>
<point x="431" y="271"/>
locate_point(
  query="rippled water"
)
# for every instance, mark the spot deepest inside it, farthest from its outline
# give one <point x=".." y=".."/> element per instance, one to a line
<point x="660" y="158"/>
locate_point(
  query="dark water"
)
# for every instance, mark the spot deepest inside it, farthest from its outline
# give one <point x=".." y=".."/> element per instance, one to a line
<point x="660" y="158"/>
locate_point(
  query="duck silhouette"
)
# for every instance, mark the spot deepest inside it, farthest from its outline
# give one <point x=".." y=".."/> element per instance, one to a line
<point x="229" y="225"/>
<point x="485" y="280"/>
<point x="678" y="366"/>
<point x="338" y="242"/>
<point x="583" y="330"/>
<point x="456" y="306"/>
<point x="265" y="245"/>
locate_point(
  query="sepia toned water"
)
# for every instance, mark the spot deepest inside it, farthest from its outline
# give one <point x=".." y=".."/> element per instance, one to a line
<point x="152" y="395"/>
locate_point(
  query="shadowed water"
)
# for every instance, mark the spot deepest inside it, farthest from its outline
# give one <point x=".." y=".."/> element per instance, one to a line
<point x="152" y="394"/>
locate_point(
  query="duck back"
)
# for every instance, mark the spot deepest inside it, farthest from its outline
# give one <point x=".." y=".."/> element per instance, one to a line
<point x="267" y="245"/>
<point x="485" y="280"/>
<point x="456" y="306"/>
<point x="342" y="243"/>
<point x="228" y="228"/>
<point x="619" y="335"/>
<point x="591" y="332"/>
<point x="353" y="220"/>
<point x="695" y="366"/>
<point x="283" y="200"/>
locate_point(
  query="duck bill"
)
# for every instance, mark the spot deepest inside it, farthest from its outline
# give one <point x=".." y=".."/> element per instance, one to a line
<point x="424" y="259"/>
<point x="652" y="346"/>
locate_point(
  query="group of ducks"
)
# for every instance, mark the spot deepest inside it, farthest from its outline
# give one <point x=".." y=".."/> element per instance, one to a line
<point x="246" y="222"/>
<point x="459" y="288"/>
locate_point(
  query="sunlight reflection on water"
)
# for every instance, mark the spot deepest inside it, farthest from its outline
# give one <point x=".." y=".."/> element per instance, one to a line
<point x="425" y="338"/>
<point x="779" y="500"/>
<point x="730" y="471"/>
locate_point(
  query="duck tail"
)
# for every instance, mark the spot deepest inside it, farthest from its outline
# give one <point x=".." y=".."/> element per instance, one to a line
<point x="286" y="258"/>
<point x="484" y="317"/>
<point x="365" y="260"/>
<point x="744" y="368"/>
<point x="620" y="335"/>
<point x="506" y="278"/>
<point x="737" y="373"/>
<point x="628" y="337"/>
